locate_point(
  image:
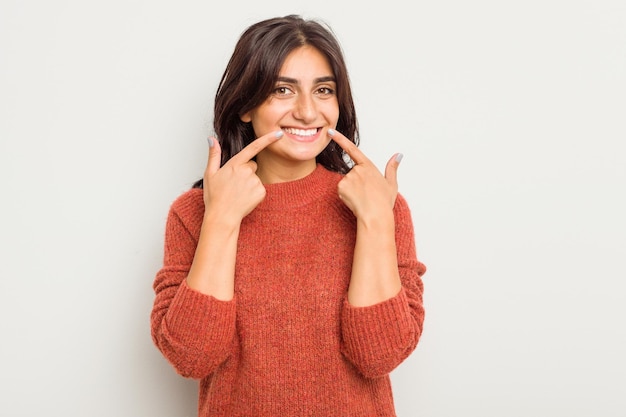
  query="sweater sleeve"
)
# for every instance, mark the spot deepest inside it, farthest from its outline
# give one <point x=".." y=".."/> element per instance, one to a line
<point x="377" y="338"/>
<point x="192" y="330"/>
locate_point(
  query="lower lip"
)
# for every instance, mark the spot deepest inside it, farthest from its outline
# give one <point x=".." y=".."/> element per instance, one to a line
<point x="304" y="139"/>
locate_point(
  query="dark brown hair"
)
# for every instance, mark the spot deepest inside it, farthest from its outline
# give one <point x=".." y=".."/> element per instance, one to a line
<point x="250" y="78"/>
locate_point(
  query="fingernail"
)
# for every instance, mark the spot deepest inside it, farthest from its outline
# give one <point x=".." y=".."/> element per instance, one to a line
<point x="331" y="132"/>
<point x="211" y="142"/>
<point x="399" y="157"/>
<point x="279" y="134"/>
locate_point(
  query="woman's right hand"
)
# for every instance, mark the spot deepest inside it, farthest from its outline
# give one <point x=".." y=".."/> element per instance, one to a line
<point x="232" y="191"/>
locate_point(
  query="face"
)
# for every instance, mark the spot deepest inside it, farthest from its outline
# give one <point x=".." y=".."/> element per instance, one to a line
<point x="304" y="106"/>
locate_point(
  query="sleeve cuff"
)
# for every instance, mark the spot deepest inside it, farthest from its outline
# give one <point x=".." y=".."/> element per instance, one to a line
<point x="380" y="332"/>
<point x="200" y="321"/>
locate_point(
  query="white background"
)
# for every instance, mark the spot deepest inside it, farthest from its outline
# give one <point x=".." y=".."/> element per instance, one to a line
<point x="511" y="116"/>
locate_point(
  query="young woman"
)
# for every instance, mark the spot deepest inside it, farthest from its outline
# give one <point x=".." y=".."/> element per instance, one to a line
<point x="290" y="284"/>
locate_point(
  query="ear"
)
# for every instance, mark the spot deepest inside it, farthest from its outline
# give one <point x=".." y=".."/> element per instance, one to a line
<point x="246" y="117"/>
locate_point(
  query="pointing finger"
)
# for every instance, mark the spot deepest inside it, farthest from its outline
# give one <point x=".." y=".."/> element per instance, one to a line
<point x="347" y="145"/>
<point x="257" y="146"/>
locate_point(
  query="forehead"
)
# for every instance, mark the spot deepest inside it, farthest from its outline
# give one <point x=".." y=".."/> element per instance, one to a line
<point x="306" y="62"/>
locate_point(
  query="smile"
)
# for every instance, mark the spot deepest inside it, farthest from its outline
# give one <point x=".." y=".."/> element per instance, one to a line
<point x="300" y="132"/>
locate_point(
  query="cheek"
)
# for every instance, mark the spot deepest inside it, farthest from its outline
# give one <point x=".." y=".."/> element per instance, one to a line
<point x="325" y="143"/>
<point x="266" y="118"/>
<point x="332" y="113"/>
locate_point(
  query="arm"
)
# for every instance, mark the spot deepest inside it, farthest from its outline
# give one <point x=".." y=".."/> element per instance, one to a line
<point x="377" y="338"/>
<point x="230" y="193"/>
<point x="375" y="276"/>
<point x="194" y="331"/>
<point x="371" y="198"/>
<point x="193" y="319"/>
<point x="383" y="313"/>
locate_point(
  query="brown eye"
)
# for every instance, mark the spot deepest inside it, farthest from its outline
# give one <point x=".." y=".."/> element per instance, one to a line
<point x="325" y="91"/>
<point x="282" y="91"/>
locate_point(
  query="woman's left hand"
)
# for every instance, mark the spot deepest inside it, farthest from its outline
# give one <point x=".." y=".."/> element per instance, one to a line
<point x="364" y="189"/>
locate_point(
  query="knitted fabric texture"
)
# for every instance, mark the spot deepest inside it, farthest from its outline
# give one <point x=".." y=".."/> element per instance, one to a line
<point x="289" y="343"/>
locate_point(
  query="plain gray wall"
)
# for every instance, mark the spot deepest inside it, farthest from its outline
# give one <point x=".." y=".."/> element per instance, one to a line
<point x="511" y="116"/>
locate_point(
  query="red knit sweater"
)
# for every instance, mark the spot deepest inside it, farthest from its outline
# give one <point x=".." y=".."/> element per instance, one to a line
<point x="289" y="343"/>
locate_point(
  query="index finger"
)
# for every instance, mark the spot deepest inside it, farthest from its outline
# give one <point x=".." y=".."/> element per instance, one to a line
<point x="347" y="145"/>
<point x="256" y="146"/>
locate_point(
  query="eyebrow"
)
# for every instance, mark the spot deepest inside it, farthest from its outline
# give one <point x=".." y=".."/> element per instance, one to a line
<point x="317" y="80"/>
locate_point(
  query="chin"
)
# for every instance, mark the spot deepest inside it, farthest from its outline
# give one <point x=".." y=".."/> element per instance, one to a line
<point x="303" y="153"/>
<point x="302" y="158"/>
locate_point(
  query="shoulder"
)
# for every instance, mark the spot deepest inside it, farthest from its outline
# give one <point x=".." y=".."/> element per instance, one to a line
<point x="190" y="201"/>
<point x="401" y="205"/>
<point x="402" y="214"/>
<point x="188" y="208"/>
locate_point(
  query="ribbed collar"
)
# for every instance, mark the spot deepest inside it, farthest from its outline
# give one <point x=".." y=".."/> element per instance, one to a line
<point x="321" y="183"/>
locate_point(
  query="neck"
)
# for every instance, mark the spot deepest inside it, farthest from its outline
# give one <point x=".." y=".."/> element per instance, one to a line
<point x="321" y="184"/>
<point x="275" y="172"/>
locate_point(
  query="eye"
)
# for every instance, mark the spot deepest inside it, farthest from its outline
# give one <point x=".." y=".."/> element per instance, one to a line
<point x="325" y="91"/>
<point x="283" y="91"/>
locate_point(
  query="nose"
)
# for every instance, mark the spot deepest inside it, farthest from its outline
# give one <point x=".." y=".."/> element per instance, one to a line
<point x="305" y="109"/>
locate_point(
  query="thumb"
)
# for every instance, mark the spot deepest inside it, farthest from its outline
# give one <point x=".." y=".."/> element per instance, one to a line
<point x="391" y="170"/>
<point x="215" y="156"/>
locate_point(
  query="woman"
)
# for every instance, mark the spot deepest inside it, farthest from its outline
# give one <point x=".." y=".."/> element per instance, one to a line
<point x="290" y="284"/>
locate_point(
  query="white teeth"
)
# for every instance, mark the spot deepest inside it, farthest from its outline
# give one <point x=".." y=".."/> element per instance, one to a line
<point x="301" y="132"/>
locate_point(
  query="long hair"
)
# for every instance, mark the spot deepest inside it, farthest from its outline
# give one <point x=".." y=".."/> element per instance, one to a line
<point x="250" y="78"/>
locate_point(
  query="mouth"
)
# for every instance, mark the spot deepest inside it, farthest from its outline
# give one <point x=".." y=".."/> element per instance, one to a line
<point x="302" y="135"/>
